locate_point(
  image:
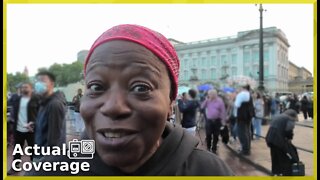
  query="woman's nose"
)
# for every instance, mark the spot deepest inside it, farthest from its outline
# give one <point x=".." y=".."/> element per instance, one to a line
<point x="116" y="106"/>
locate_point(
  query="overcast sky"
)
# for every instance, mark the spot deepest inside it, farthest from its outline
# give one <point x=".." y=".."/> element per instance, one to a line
<point x="39" y="35"/>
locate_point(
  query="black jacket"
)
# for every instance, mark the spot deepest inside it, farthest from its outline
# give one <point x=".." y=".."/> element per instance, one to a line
<point x="304" y="104"/>
<point x="246" y="112"/>
<point x="50" y="129"/>
<point x="276" y="135"/>
<point x="32" y="109"/>
<point x="177" y="155"/>
<point x="189" y="110"/>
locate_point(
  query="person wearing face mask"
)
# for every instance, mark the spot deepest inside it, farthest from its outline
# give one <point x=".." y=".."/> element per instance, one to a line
<point x="131" y="82"/>
<point x="50" y="127"/>
<point x="24" y="116"/>
<point x="279" y="140"/>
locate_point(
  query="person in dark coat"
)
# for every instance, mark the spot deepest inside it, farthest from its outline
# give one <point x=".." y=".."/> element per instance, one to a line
<point x="294" y="103"/>
<point x="310" y="108"/>
<point x="304" y="107"/>
<point x="245" y="113"/>
<point x="50" y="126"/>
<point x="279" y="140"/>
<point x="131" y="81"/>
<point x="189" y="110"/>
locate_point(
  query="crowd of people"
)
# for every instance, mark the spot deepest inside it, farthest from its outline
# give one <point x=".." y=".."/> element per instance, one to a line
<point x="129" y="104"/>
<point x="243" y="111"/>
<point x="38" y="115"/>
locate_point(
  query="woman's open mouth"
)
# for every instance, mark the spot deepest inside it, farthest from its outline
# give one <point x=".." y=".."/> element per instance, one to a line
<point x="113" y="139"/>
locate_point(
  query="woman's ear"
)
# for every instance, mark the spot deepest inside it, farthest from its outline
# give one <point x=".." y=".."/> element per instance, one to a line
<point x="170" y="112"/>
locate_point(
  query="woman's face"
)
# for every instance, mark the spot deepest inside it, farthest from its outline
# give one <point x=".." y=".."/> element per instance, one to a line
<point x="126" y="102"/>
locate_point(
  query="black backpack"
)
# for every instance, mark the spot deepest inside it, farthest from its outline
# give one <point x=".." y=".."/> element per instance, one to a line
<point x="246" y="111"/>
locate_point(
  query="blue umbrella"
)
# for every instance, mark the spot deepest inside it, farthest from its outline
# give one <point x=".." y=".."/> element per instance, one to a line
<point x="228" y="89"/>
<point x="205" y="87"/>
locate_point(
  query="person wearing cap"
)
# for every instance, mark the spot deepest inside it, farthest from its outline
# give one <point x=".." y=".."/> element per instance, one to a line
<point x="131" y="79"/>
<point x="279" y="140"/>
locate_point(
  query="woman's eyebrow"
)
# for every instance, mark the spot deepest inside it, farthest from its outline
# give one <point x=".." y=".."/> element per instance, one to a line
<point x="150" y="68"/>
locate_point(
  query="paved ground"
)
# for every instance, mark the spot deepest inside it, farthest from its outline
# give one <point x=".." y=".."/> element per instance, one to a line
<point x="260" y="152"/>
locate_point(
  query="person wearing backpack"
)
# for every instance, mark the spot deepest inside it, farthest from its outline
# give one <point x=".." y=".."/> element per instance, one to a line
<point x="245" y="113"/>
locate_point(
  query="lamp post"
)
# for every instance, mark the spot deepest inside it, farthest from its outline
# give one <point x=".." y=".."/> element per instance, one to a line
<point x="261" y="87"/>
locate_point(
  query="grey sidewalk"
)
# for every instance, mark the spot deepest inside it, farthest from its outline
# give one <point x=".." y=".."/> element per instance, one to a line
<point x="260" y="153"/>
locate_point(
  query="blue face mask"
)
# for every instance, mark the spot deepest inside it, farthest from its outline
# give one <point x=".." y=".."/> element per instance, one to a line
<point x="40" y="87"/>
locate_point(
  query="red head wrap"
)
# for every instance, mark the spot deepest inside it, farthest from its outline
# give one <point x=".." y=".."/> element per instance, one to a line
<point x="153" y="41"/>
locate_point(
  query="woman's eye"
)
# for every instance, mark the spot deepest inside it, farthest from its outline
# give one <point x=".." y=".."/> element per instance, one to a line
<point x="95" y="87"/>
<point x="141" y="88"/>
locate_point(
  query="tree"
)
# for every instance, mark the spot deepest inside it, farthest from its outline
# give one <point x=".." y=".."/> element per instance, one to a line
<point x="66" y="73"/>
<point x="42" y="69"/>
<point x="14" y="79"/>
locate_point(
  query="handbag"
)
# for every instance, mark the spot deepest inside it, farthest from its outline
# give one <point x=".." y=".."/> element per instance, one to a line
<point x="224" y="132"/>
<point x="298" y="169"/>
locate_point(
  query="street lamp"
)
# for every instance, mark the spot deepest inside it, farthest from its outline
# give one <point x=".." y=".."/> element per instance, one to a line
<point x="261" y="87"/>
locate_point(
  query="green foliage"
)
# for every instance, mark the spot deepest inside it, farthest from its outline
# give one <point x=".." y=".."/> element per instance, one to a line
<point x="13" y="80"/>
<point x="66" y="73"/>
<point x="42" y="69"/>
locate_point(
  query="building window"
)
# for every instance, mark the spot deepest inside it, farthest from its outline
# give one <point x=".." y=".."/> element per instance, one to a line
<point x="186" y="75"/>
<point x="223" y="59"/>
<point x="181" y="76"/>
<point x="203" y="74"/>
<point x="193" y="63"/>
<point x="256" y="56"/>
<point x="234" y="71"/>
<point x="246" y="57"/>
<point x="182" y="64"/>
<point x="246" y="71"/>
<point x="255" y="71"/>
<point x="213" y="61"/>
<point x="266" y="71"/>
<point x="266" y="55"/>
<point x="203" y="61"/>
<point x="186" y="64"/>
<point x="213" y="74"/>
<point x="234" y="59"/>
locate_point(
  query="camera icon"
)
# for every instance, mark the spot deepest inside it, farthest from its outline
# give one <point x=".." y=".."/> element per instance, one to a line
<point x="83" y="149"/>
